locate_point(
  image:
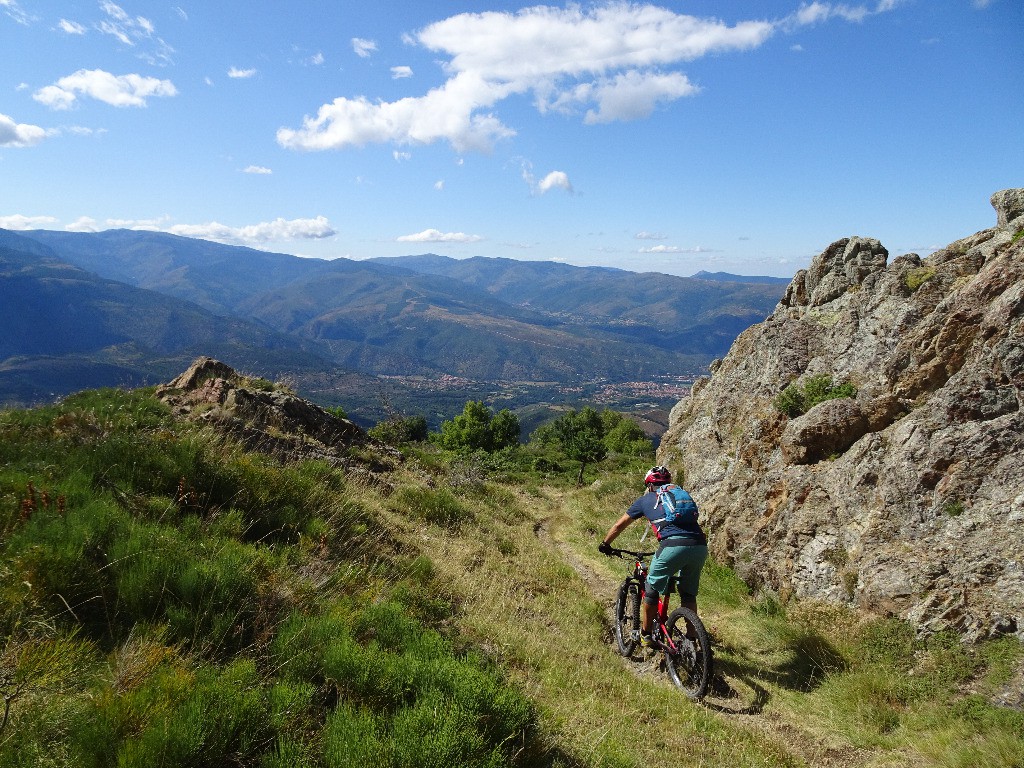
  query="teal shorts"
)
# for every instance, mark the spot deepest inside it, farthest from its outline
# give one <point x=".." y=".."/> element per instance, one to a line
<point x="684" y="562"/>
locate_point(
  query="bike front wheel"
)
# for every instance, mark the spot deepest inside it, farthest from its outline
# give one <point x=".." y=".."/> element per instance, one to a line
<point x="627" y="617"/>
<point x="689" y="659"/>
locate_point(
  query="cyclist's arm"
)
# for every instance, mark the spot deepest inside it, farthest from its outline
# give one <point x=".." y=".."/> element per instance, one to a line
<point x="618" y="527"/>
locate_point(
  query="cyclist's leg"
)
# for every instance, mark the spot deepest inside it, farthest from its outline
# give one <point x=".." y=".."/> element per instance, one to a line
<point x="648" y="609"/>
<point x="690" y="563"/>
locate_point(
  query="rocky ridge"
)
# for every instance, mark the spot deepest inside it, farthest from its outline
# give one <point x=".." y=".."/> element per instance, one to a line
<point x="271" y="420"/>
<point x="906" y="500"/>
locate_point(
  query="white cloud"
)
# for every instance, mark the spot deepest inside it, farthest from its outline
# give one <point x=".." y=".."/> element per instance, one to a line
<point x="650" y="236"/>
<point x="608" y="58"/>
<point x="817" y="12"/>
<point x="436" y="236"/>
<point x="117" y="90"/>
<point x="83" y="224"/>
<point x="398" y="73"/>
<point x="316" y="59"/>
<point x="363" y="48"/>
<point x="71" y="27"/>
<point x="555" y="180"/>
<point x="258" y="170"/>
<point x="445" y="113"/>
<point x="439" y="185"/>
<point x="982" y="4"/>
<point x="614" y="61"/>
<point x="14" y="134"/>
<point x="13" y="10"/>
<point x="132" y="31"/>
<point x="19" y="222"/>
<point x="181" y="12"/>
<point x="241" y="74"/>
<point x="258" y="234"/>
<point x="676" y="249"/>
<point x="634" y="95"/>
<point x="400" y="156"/>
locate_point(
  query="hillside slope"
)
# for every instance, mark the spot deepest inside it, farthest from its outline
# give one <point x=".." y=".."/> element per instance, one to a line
<point x="68" y="329"/>
<point x="487" y="319"/>
<point x="908" y="498"/>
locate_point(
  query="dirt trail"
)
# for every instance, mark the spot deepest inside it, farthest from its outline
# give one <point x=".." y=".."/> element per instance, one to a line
<point x="742" y="699"/>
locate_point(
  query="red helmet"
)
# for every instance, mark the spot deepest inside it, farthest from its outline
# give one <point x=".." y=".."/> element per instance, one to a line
<point x="658" y="476"/>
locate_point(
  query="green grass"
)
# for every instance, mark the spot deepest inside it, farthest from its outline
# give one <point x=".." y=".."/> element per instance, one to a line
<point x="169" y="599"/>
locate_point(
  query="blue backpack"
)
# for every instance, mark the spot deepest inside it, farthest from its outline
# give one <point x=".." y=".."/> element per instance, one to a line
<point x="676" y="505"/>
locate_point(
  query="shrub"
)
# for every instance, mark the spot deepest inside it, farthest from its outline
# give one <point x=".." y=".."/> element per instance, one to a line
<point x="797" y="399"/>
<point x="439" y="506"/>
<point x="399" y="430"/>
<point x="915" y="278"/>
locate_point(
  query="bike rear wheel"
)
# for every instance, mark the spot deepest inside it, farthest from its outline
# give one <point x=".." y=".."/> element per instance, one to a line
<point x="627" y="617"/>
<point x="689" y="665"/>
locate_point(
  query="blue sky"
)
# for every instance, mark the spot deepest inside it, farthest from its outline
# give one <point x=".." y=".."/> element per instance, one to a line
<point x="671" y="137"/>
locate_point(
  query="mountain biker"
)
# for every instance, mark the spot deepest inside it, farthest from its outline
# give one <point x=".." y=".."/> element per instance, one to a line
<point x="682" y="550"/>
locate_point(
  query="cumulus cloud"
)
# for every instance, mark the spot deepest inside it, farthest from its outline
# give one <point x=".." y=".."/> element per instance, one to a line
<point x="610" y="62"/>
<point x="14" y="134"/>
<point x="240" y="74"/>
<point x="363" y="48"/>
<point x="117" y="90"/>
<point x="398" y="73"/>
<point x="555" y="180"/>
<point x="448" y="113"/>
<point x="259" y="170"/>
<point x="643" y="235"/>
<point x="436" y="236"/>
<point x="606" y="60"/>
<point x="400" y="156"/>
<point x="71" y="27"/>
<point x="19" y="222"/>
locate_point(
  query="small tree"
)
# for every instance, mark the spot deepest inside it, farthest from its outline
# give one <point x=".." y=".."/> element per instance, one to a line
<point x="505" y="430"/>
<point x="628" y="438"/>
<point x="582" y="437"/>
<point x="476" y="428"/>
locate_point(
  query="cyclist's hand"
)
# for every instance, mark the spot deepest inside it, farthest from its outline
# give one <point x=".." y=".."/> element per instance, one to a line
<point x="605" y="548"/>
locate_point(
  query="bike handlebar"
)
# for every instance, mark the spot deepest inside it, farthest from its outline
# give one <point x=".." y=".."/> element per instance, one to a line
<point x="621" y="552"/>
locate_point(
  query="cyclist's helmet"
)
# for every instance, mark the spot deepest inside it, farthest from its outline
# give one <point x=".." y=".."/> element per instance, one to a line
<point x="658" y="476"/>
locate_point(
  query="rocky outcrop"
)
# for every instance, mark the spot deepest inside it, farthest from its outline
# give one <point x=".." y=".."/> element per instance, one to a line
<point x="267" y="418"/>
<point x="907" y="499"/>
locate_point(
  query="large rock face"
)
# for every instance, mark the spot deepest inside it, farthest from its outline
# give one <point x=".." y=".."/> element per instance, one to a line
<point x="907" y="500"/>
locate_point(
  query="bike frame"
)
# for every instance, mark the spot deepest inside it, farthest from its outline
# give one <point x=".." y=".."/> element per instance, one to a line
<point x="661" y="617"/>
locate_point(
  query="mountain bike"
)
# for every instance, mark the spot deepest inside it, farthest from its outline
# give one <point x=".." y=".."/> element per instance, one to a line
<point x="681" y="636"/>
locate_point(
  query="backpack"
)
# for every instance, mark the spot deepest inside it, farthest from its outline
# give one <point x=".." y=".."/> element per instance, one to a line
<point x="676" y="505"/>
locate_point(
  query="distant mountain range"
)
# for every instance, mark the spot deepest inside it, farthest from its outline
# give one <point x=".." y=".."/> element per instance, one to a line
<point x="125" y="307"/>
